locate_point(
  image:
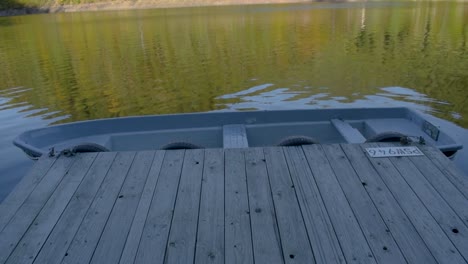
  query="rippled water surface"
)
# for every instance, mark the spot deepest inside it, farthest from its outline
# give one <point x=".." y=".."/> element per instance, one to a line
<point x="68" y="67"/>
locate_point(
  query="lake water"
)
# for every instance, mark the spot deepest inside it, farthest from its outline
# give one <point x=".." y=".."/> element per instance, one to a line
<point x="79" y="66"/>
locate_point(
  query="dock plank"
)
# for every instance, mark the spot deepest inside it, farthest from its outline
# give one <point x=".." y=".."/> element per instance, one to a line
<point x="183" y="233"/>
<point x="437" y="241"/>
<point x="451" y="194"/>
<point x="238" y="235"/>
<point x="156" y="230"/>
<point x="352" y="240"/>
<point x="306" y="204"/>
<point x="25" y="215"/>
<point x="112" y="241"/>
<point x="38" y="232"/>
<point x="136" y="230"/>
<point x="447" y="219"/>
<point x="20" y="193"/>
<point x="448" y="168"/>
<point x="294" y="238"/>
<point x="66" y="227"/>
<point x="374" y="228"/>
<point x="84" y="242"/>
<point x="210" y="235"/>
<point x="265" y="236"/>
<point x="404" y="233"/>
<point x="325" y="245"/>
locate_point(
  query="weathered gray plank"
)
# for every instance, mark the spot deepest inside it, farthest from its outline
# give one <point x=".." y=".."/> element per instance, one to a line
<point x="35" y="236"/>
<point x="448" y="168"/>
<point x="156" y="231"/>
<point x="325" y="245"/>
<point x="294" y="238"/>
<point x="457" y="201"/>
<point x="83" y="244"/>
<point x="265" y="236"/>
<point x="181" y="247"/>
<point x="136" y="231"/>
<point x="20" y="193"/>
<point x="112" y="241"/>
<point x="406" y="236"/>
<point x="238" y="236"/>
<point x="440" y="245"/>
<point x="448" y="220"/>
<point x="25" y="215"/>
<point x="210" y="235"/>
<point x="374" y="228"/>
<point x="62" y="234"/>
<point x="352" y="240"/>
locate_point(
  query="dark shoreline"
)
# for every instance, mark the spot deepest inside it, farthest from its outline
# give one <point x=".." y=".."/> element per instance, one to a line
<point x="129" y="5"/>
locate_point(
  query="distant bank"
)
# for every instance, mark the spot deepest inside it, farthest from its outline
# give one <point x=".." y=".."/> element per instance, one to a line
<point x="21" y="7"/>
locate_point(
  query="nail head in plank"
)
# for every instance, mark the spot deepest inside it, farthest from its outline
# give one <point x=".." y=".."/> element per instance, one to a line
<point x="83" y="244"/>
<point x="440" y="245"/>
<point x="238" y="240"/>
<point x="112" y="241"/>
<point x="352" y="240"/>
<point x="374" y="228"/>
<point x="294" y="238"/>
<point x="136" y="231"/>
<point x="156" y="231"/>
<point x="66" y="227"/>
<point x="435" y="204"/>
<point x="210" y="235"/>
<point x="265" y="236"/>
<point x="325" y="245"/>
<point x="406" y="236"/>
<point x="457" y="201"/>
<point x="181" y="243"/>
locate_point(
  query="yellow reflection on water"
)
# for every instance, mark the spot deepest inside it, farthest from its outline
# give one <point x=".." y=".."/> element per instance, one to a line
<point x="96" y="65"/>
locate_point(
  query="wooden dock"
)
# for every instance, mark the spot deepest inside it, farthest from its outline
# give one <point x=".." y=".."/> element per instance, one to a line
<point x="310" y="204"/>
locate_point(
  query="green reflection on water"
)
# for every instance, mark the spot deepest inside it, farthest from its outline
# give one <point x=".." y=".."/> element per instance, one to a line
<point x="109" y="64"/>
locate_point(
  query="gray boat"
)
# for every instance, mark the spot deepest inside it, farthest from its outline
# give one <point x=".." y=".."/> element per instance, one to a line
<point x="238" y="130"/>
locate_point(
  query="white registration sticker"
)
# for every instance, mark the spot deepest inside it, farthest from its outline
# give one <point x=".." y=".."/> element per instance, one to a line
<point x="393" y="152"/>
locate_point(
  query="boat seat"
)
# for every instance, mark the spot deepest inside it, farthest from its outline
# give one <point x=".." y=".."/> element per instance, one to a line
<point x="235" y="136"/>
<point x="349" y="133"/>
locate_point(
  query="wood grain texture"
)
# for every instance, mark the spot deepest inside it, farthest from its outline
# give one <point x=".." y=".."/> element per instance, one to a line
<point x="238" y="235"/>
<point x="315" y="203"/>
<point x="25" y="215"/>
<point x="294" y="238"/>
<point x="64" y="231"/>
<point x="451" y="194"/>
<point x="399" y="225"/>
<point x="374" y="228"/>
<point x="183" y="233"/>
<point x="156" y="231"/>
<point x="37" y="233"/>
<point x="352" y="240"/>
<point x="210" y="235"/>
<point x="440" y="245"/>
<point x="112" y="241"/>
<point x="325" y="245"/>
<point x="136" y="231"/>
<point x="82" y="246"/>
<point x="20" y="193"/>
<point x="447" y="219"/>
<point x="448" y="168"/>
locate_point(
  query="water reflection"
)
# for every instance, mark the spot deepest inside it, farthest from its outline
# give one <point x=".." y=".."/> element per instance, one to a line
<point x="81" y="66"/>
<point x="14" y="119"/>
